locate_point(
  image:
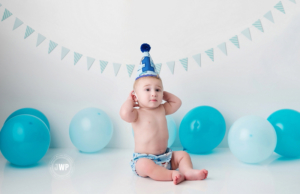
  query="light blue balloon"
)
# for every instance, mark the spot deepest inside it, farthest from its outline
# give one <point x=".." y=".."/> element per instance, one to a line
<point x="24" y="140"/>
<point x="202" y="129"/>
<point x="252" y="139"/>
<point x="90" y="130"/>
<point x="287" y="126"/>
<point x="172" y="129"/>
<point x="30" y="111"/>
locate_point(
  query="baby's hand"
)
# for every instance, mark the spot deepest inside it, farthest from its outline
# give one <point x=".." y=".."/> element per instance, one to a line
<point x="130" y="97"/>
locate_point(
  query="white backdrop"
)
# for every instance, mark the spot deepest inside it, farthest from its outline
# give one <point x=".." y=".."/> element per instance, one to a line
<point x="258" y="79"/>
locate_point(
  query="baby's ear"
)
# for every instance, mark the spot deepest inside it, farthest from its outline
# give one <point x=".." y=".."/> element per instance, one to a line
<point x="134" y="98"/>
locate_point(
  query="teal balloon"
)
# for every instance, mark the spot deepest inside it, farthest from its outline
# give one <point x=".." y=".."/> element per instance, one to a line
<point x="172" y="129"/>
<point x="202" y="129"/>
<point x="287" y="126"/>
<point x="252" y="139"/>
<point x="24" y="140"/>
<point x="90" y="130"/>
<point x="30" y="111"/>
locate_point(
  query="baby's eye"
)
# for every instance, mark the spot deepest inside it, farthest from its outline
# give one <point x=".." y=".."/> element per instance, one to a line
<point x="157" y="90"/>
<point x="147" y="89"/>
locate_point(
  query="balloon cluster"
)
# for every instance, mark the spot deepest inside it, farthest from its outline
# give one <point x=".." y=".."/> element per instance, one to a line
<point x="25" y="137"/>
<point x="251" y="139"/>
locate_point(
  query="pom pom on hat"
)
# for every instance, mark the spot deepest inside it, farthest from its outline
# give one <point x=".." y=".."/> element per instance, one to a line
<point x="146" y="67"/>
<point x="145" y="47"/>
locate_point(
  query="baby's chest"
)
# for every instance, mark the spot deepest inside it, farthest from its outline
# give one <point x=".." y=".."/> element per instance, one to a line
<point x="152" y="119"/>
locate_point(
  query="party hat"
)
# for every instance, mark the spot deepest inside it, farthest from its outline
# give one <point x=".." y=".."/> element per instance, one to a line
<point x="146" y="67"/>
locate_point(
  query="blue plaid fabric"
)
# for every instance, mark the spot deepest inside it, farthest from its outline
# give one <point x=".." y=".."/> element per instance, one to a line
<point x="163" y="160"/>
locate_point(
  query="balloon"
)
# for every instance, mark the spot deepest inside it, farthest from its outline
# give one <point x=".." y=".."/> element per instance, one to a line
<point x="30" y="111"/>
<point x="171" y="129"/>
<point x="202" y="129"/>
<point x="287" y="126"/>
<point x="90" y="130"/>
<point x="24" y="140"/>
<point x="252" y="139"/>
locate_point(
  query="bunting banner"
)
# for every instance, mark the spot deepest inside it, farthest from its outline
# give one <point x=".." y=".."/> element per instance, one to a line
<point x="130" y="67"/>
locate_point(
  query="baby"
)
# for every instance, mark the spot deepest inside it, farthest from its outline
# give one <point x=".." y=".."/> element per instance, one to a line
<point x="152" y="157"/>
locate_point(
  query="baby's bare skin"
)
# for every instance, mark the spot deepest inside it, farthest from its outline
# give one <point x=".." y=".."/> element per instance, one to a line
<point x="151" y="133"/>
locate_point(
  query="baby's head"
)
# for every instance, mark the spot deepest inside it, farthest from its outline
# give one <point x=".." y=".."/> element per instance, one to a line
<point x="148" y="91"/>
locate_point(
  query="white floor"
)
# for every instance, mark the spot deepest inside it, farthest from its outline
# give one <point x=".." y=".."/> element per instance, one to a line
<point x="108" y="171"/>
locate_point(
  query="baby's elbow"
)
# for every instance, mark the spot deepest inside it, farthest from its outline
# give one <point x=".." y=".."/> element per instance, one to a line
<point x="123" y="115"/>
<point x="128" y="117"/>
<point x="179" y="103"/>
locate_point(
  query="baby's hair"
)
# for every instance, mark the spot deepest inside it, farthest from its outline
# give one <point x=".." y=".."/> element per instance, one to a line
<point x="134" y="84"/>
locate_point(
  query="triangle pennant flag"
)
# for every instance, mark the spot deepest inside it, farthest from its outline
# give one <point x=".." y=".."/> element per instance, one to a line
<point x="258" y="25"/>
<point x="246" y="33"/>
<point x="269" y="16"/>
<point x="158" y="67"/>
<point x="90" y="62"/>
<point x="116" y="68"/>
<point x="223" y="48"/>
<point x="28" y="32"/>
<point x="6" y="14"/>
<point x="294" y="1"/>
<point x="18" y="23"/>
<point x="103" y="64"/>
<point x="52" y="46"/>
<point x="197" y="58"/>
<point x="279" y="6"/>
<point x="64" y="52"/>
<point x="130" y="69"/>
<point x="171" y="66"/>
<point x="235" y="41"/>
<point x="77" y="56"/>
<point x="210" y="53"/>
<point x="40" y="39"/>
<point x="184" y="63"/>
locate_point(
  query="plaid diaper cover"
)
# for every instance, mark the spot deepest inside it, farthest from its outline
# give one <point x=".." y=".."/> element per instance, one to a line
<point x="163" y="160"/>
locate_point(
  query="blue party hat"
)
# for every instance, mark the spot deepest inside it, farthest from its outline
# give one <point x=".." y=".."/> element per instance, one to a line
<point x="146" y="67"/>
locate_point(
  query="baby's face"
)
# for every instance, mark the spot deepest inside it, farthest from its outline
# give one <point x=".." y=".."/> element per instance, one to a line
<point x="149" y="91"/>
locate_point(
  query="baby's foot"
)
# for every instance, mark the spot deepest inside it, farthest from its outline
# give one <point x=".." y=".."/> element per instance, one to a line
<point x="177" y="177"/>
<point x="195" y="174"/>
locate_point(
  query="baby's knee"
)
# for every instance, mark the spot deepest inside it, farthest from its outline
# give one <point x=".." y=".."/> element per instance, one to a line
<point x="144" y="167"/>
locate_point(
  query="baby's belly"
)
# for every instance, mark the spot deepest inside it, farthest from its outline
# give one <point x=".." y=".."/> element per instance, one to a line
<point x="154" y="146"/>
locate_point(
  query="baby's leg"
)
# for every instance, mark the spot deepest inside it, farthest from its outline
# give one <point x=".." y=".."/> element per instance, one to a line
<point x="182" y="160"/>
<point x="146" y="167"/>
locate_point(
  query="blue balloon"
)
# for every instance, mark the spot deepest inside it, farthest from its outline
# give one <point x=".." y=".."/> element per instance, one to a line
<point x="171" y="129"/>
<point x="252" y="139"/>
<point x="90" y="130"/>
<point x="287" y="126"/>
<point x="30" y="111"/>
<point x="24" y="140"/>
<point x="202" y="129"/>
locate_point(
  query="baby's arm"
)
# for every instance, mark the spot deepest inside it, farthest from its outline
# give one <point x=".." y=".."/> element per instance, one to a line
<point x="127" y="112"/>
<point x="172" y="103"/>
